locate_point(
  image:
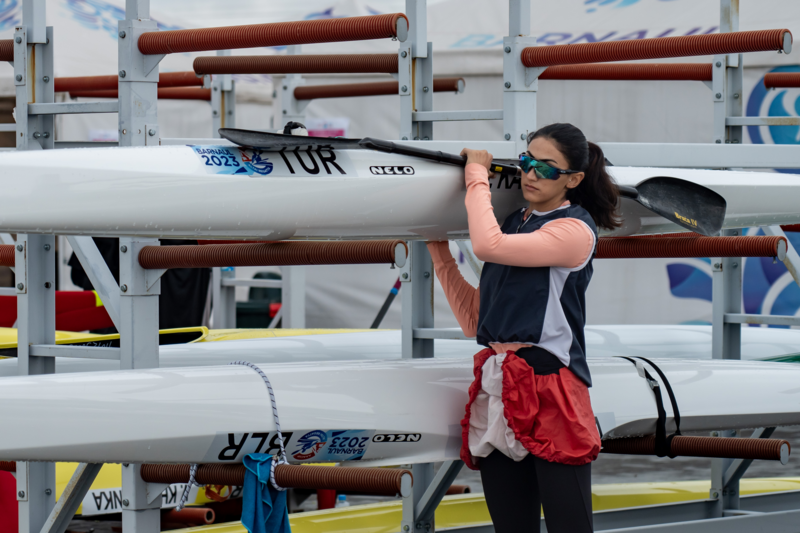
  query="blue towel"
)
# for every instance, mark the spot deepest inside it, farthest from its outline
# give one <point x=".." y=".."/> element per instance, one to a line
<point x="264" y="509"/>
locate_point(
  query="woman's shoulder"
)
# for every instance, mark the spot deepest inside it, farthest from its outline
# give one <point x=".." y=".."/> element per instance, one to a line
<point x="580" y="213"/>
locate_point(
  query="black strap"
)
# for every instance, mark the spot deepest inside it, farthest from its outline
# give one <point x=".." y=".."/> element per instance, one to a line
<point x="672" y="400"/>
<point x="663" y="442"/>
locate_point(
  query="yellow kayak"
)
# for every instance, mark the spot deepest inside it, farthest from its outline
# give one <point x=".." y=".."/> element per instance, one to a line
<point x="470" y="509"/>
<point x="8" y="336"/>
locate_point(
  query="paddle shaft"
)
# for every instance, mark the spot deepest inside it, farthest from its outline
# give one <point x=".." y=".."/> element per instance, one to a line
<point x="389" y="147"/>
<point x="687" y="204"/>
<point x="628" y="192"/>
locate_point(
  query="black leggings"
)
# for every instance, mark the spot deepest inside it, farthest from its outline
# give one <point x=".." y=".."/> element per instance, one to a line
<point x="516" y="491"/>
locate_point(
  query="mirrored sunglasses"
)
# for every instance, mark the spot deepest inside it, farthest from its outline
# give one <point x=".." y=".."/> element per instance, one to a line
<point x="543" y="170"/>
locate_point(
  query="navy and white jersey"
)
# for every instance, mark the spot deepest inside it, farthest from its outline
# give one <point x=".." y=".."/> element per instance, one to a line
<point x="539" y="306"/>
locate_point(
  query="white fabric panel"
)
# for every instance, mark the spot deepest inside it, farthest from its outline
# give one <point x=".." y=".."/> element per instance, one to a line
<point x="488" y="426"/>
<point x="556" y="334"/>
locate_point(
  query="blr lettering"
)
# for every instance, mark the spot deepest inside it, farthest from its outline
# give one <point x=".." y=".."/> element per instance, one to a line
<point x="275" y="444"/>
<point x="233" y="446"/>
<point x="231" y="452"/>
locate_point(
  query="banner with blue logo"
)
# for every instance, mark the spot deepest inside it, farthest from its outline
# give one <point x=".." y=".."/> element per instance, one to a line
<point x="774" y="103"/>
<point x="767" y="286"/>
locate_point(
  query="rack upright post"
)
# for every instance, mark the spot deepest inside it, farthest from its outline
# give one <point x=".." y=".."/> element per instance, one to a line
<point x="223" y="100"/>
<point x="34" y="254"/>
<point x="138" y="126"/>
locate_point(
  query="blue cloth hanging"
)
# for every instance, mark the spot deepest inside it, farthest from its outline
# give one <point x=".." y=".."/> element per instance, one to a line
<point x="264" y="509"/>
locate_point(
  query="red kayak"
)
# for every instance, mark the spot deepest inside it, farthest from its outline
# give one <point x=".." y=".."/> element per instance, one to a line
<point x="75" y="311"/>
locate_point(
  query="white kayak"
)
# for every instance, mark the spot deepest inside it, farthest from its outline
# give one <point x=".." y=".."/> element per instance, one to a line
<point x="226" y="191"/>
<point x="372" y="412"/>
<point x="669" y="341"/>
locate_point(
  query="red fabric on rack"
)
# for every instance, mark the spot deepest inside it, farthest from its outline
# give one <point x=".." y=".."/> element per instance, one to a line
<point x="75" y="311"/>
<point x="9" y="513"/>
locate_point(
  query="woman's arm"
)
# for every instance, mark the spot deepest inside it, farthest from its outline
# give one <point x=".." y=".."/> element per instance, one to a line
<point x="564" y="242"/>
<point x="464" y="299"/>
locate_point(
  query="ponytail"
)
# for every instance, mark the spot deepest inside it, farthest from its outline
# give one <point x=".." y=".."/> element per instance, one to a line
<point x="597" y="192"/>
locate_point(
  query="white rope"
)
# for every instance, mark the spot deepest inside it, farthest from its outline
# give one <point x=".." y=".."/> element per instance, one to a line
<point x="282" y="458"/>
<point x="275" y="460"/>
<point x="188" y="488"/>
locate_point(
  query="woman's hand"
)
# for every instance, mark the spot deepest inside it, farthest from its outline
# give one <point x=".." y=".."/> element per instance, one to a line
<point x="481" y="157"/>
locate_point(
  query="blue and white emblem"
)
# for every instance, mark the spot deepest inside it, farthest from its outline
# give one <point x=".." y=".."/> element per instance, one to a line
<point x="257" y="161"/>
<point x="775" y="103"/>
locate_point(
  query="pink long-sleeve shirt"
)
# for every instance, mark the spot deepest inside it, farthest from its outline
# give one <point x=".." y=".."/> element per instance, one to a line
<point x="564" y="242"/>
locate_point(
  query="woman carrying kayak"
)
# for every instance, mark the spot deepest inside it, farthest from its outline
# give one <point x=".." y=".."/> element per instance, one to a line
<point x="529" y="426"/>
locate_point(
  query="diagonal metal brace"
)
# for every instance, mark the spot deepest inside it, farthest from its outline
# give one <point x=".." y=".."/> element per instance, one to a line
<point x="98" y="273"/>
<point x="437" y="489"/>
<point x="72" y="497"/>
<point x="737" y="468"/>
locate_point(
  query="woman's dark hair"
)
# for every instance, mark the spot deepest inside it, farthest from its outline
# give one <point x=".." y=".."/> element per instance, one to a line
<point x="597" y="193"/>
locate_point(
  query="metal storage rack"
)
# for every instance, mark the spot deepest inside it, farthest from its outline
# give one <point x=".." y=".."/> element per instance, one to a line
<point x="133" y="304"/>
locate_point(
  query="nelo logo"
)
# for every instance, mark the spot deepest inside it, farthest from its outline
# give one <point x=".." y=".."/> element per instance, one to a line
<point x="392" y="171"/>
<point x="397" y="437"/>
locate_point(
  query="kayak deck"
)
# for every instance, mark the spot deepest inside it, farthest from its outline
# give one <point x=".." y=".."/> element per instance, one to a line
<point x="166" y="415"/>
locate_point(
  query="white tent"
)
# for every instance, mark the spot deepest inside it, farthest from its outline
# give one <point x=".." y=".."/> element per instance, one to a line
<point x="467" y="37"/>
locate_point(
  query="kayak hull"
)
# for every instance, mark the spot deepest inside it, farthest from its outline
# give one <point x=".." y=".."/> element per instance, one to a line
<point x="319" y="194"/>
<point x="365" y="412"/>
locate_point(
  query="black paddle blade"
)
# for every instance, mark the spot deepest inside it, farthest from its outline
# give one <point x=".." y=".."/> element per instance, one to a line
<point x="273" y="142"/>
<point x="689" y="205"/>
